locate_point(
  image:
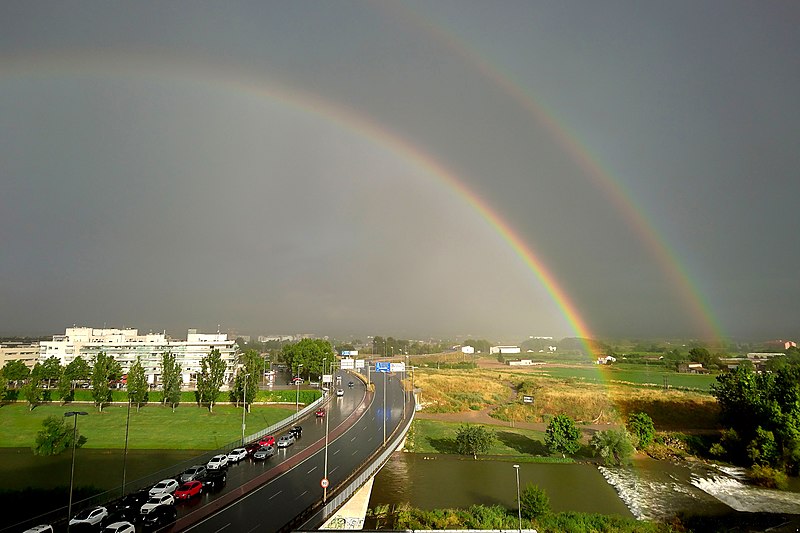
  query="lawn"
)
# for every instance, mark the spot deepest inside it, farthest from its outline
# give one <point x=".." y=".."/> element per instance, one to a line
<point x="630" y="374"/>
<point x="433" y="436"/>
<point x="153" y="427"/>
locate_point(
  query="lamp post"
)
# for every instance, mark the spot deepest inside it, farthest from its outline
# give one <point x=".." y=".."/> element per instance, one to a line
<point x="297" y="382"/>
<point x="384" y="409"/>
<point x="325" y="472"/>
<point x="73" y="414"/>
<point x="244" y="403"/>
<point x="519" y="504"/>
<point x="125" y="453"/>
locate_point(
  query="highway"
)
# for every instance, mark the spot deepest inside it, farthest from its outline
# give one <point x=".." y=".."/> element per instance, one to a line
<point x="296" y="486"/>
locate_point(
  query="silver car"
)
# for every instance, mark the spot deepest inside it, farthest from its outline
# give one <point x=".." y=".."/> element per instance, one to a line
<point x="195" y="472"/>
<point x="285" y="441"/>
<point x="265" y="452"/>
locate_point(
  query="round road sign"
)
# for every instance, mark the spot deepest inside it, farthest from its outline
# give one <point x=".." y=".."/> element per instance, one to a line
<point x="324" y="483"/>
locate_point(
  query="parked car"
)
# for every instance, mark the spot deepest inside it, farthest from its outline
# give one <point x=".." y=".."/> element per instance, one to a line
<point x="339" y="392"/>
<point x="320" y="413"/>
<point x="134" y="501"/>
<point x="217" y="462"/>
<point x="159" y="499"/>
<point x="195" y="472"/>
<point x="236" y="455"/>
<point x="119" y="527"/>
<point x="214" y="479"/>
<point x="252" y="448"/>
<point x="265" y="452"/>
<point x="92" y="515"/>
<point x="266" y="440"/>
<point x="159" y="517"/>
<point x="285" y="441"/>
<point x="189" y="490"/>
<point x="350" y="384"/>
<point x="165" y="486"/>
<point x="296" y="432"/>
<point x="41" y="528"/>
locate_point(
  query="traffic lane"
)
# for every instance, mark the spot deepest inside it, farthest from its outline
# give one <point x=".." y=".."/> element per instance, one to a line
<point x="339" y="409"/>
<point x="298" y="489"/>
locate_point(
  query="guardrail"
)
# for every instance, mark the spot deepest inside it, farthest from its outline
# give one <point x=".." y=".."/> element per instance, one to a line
<point x="379" y="459"/>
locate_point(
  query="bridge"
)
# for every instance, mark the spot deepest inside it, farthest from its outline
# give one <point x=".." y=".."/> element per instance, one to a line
<point x="287" y="494"/>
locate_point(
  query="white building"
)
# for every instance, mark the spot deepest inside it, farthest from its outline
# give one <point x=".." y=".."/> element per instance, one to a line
<point x="504" y="349"/>
<point x="28" y="353"/>
<point x="125" y="345"/>
<point x="468" y="349"/>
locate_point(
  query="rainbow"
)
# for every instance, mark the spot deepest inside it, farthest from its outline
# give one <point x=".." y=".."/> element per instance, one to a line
<point x="231" y="79"/>
<point x="589" y="163"/>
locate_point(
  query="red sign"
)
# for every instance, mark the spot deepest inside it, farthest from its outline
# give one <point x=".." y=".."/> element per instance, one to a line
<point x="324" y="483"/>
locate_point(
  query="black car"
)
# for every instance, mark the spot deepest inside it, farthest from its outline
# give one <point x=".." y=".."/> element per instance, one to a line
<point x="159" y="517"/>
<point x="214" y="479"/>
<point x="350" y="384"/>
<point x="296" y="432"/>
<point x="127" y="508"/>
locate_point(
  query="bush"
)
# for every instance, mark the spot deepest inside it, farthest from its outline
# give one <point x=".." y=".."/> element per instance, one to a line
<point x="641" y="427"/>
<point x="562" y="436"/>
<point x="472" y="440"/>
<point x="766" y="476"/>
<point x="613" y="445"/>
<point x="534" y="502"/>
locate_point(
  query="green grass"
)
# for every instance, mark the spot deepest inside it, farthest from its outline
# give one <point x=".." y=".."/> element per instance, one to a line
<point x="634" y="374"/>
<point x="153" y="427"/>
<point x="433" y="436"/>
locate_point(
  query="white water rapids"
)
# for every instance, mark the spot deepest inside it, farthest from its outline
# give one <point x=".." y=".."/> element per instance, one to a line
<point x="653" y="494"/>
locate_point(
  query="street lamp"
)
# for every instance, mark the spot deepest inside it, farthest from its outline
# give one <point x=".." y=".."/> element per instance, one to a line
<point x="297" y="382"/>
<point x="73" y="414"/>
<point x="244" y="403"/>
<point x="519" y="504"/>
<point x="125" y="453"/>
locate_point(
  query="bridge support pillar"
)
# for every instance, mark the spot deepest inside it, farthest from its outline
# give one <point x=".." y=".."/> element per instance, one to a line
<point x="351" y="514"/>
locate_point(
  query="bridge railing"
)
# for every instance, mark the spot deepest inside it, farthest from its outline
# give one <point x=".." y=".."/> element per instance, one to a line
<point x="379" y="459"/>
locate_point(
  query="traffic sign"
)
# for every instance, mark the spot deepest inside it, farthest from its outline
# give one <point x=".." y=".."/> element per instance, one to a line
<point x="382" y="367"/>
<point x="397" y="367"/>
<point x="324" y="483"/>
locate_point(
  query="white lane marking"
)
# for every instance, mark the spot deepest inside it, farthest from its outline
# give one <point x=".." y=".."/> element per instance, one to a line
<point x="337" y="451"/>
<point x="312" y="470"/>
<point x="253" y="529"/>
<point x="332" y="471"/>
<point x="275" y="494"/>
<point x="223" y="527"/>
<point x="351" y="440"/>
<point x="354" y="452"/>
<point x="300" y="496"/>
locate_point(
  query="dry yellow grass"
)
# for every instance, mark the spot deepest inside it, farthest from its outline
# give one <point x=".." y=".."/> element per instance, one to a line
<point x="453" y="391"/>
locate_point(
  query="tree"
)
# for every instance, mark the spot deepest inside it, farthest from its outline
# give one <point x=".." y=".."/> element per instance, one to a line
<point x="562" y="436"/>
<point x="472" y="440"/>
<point x="105" y="370"/>
<point x="50" y="370"/>
<point x="613" y="445"/>
<point x="534" y="502"/>
<point x="246" y="382"/>
<point x="55" y="437"/>
<point x="16" y="371"/>
<point x="641" y="427"/>
<point x="313" y="354"/>
<point x="64" y="387"/>
<point x="32" y="390"/>
<point x="170" y="379"/>
<point x="3" y="386"/>
<point x="78" y="370"/>
<point x="209" y="380"/>
<point x="137" y="384"/>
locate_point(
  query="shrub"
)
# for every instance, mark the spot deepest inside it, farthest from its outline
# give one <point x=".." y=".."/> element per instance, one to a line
<point x="562" y="436"/>
<point x="534" y="502"/>
<point x="766" y="476"/>
<point x="641" y="427"/>
<point x="613" y="445"/>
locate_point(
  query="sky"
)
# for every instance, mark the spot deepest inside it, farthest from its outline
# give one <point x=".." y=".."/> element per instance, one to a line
<point x="453" y="168"/>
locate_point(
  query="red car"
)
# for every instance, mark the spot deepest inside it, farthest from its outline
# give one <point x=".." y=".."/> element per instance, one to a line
<point x="252" y="448"/>
<point x="267" y="440"/>
<point x="320" y="413"/>
<point x="188" y="490"/>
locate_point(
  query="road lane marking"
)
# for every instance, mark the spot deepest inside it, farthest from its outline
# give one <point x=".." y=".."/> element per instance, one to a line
<point x="337" y="451"/>
<point x="223" y="527"/>
<point x="298" y="497"/>
<point x="255" y="528"/>
<point x="332" y="471"/>
<point x="311" y="470"/>
<point x="275" y="494"/>
<point x="354" y="452"/>
<point x="351" y="440"/>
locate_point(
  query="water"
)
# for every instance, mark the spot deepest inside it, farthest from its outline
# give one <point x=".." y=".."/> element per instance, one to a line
<point x="648" y="490"/>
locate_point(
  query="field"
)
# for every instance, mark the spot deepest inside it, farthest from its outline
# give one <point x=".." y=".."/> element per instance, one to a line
<point x="588" y="394"/>
<point x="153" y="427"/>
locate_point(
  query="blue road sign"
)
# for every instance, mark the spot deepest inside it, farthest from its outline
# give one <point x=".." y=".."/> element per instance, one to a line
<point x="382" y="367"/>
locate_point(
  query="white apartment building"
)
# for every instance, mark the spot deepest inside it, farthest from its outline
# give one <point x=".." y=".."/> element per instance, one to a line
<point x="28" y="353"/>
<point x="125" y="345"/>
